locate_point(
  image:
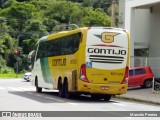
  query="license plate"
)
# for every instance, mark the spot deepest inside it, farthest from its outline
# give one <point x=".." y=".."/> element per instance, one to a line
<point x="104" y="88"/>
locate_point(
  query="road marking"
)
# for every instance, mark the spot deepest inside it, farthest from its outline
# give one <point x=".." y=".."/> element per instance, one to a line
<point x="120" y="104"/>
<point x="53" y="99"/>
<point x="18" y="88"/>
<point x="2" y="88"/>
<point x="38" y="95"/>
<point x="72" y="103"/>
<point x="14" y="89"/>
<point x="30" y="93"/>
<point x="31" y="89"/>
<point x="47" y="97"/>
<point x="26" y="89"/>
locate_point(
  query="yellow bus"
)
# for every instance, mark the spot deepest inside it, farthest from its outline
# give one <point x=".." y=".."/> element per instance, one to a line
<point x="89" y="60"/>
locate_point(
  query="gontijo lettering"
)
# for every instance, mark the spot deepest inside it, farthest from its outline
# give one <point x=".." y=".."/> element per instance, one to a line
<point x="107" y="51"/>
<point x="59" y="62"/>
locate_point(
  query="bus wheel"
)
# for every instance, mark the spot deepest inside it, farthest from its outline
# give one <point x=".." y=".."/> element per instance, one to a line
<point x="107" y="97"/>
<point x="38" y="89"/>
<point x="61" y="90"/>
<point x="67" y="93"/>
<point x="95" y="97"/>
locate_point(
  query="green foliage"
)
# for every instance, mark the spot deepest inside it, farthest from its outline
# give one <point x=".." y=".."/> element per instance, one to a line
<point x="18" y="14"/>
<point x="11" y="75"/>
<point x="22" y="11"/>
<point x="36" y="26"/>
<point x="95" y="18"/>
<point x="3" y="26"/>
<point x="2" y="63"/>
<point x="7" y="46"/>
<point x="6" y="70"/>
<point x="23" y="22"/>
<point x="62" y="11"/>
<point x="8" y="3"/>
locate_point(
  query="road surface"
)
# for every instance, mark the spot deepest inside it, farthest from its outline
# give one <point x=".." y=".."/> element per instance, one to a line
<point x="19" y="95"/>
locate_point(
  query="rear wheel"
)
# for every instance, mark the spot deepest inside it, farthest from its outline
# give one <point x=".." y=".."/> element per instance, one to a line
<point x="66" y="92"/>
<point x="147" y="83"/>
<point x="38" y="89"/>
<point x="107" y="97"/>
<point x="96" y="97"/>
<point x="61" y="90"/>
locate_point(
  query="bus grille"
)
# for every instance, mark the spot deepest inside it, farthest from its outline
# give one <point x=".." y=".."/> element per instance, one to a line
<point x="106" y="59"/>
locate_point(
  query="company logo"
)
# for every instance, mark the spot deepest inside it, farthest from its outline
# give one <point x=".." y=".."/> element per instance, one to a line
<point x="59" y="62"/>
<point x="107" y="37"/>
<point x="107" y="51"/>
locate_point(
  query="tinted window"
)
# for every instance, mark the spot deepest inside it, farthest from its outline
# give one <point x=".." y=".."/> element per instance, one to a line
<point x="61" y="46"/>
<point x="42" y="50"/>
<point x="130" y="72"/>
<point x="139" y="71"/>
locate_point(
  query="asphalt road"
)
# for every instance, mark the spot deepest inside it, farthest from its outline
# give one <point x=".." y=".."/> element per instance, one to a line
<point x="19" y="95"/>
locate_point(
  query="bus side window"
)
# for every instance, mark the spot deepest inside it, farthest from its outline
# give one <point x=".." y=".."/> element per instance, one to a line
<point x="42" y="50"/>
<point x="38" y="53"/>
<point x="63" y="46"/>
<point x="77" y="40"/>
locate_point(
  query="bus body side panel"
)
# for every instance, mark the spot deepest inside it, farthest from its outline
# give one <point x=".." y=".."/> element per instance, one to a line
<point x="64" y="67"/>
<point x="41" y="70"/>
<point x="36" y="72"/>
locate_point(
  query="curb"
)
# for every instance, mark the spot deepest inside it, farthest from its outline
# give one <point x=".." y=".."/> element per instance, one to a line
<point x="136" y="100"/>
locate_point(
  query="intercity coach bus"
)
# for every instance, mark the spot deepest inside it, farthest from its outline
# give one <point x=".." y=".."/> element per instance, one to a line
<point x="89" y="60"/>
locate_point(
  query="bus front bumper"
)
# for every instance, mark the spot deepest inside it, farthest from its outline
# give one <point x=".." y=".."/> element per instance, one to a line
<point x="102" y="88"/>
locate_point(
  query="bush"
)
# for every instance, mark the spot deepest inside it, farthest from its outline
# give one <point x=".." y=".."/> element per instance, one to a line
<point x="7" y="70"/>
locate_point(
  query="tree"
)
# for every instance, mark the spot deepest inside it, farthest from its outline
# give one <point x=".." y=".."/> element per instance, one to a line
<point x="8" y="46"/>
<point x="3" y="26"/>
<point x="2" y="63"/>
<point x="35" y="29"/>
<point x="8" y="3"/>
<point x="65" y="12"/>
<point x="23" y="22"/>
<point x="37" y="26"/>
<point x="95" y="18"/>
<point x="18" y="14"/>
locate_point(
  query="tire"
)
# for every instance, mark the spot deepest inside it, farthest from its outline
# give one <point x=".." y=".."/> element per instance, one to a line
<point x="147" y="83"/>
<point x="107" y="97"/>
<point x="96" y="97"/>
<point x="38" y="89"/>
<point x="61" y="90"/>
<point x="67" y="94"/>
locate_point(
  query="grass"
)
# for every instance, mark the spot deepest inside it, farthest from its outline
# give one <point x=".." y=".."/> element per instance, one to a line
<point x="11" y="75"/>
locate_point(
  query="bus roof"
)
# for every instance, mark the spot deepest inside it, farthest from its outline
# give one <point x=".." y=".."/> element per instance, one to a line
<point x="64" y="33"/>
<point x="113" y="28"/>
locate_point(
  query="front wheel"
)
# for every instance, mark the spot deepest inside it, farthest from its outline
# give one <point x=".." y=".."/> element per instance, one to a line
<point x="66" y="92"/>
<point x="61" y="90"/>
<point x="147" y="83"/>
<point x="38" y="89"/>
<point x="96" y="97"/>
